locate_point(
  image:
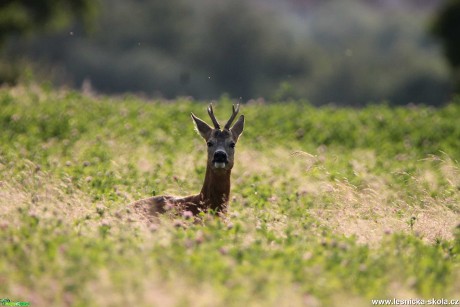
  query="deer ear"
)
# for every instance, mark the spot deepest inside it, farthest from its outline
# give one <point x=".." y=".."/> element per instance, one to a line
<point x="203" y="129"/>
<point x="238" y="127"/>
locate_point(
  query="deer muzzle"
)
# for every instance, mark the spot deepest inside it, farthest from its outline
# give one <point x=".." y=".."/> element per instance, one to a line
<point x="220" y="159"/>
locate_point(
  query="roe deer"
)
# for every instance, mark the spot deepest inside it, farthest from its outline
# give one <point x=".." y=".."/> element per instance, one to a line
<point x="215" y="192"/>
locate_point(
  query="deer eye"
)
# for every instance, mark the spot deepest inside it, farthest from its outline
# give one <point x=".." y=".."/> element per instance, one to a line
<point x="232" y="145"/>
<point x="210" y="144"/>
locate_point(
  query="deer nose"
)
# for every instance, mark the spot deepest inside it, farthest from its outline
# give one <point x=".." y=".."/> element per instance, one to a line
<point x="220" y="156"/>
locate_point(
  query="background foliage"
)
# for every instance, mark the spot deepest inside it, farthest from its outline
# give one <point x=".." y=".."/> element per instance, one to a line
<point x="349" y="53"/>
<point x="22" y="16"/>
<point x="447" y="28"/>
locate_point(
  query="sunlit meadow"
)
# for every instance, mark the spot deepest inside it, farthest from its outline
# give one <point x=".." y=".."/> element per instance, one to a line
<point x="329" y="205"/>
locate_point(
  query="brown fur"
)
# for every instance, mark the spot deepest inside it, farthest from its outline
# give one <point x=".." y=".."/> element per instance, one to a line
<point x="215" y="192"/>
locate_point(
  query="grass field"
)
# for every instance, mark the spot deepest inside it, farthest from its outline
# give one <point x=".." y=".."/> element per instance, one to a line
<point x="329" y="206"/>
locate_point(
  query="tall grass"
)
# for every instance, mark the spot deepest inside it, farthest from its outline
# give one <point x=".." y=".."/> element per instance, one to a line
<point x="329" y="206"/>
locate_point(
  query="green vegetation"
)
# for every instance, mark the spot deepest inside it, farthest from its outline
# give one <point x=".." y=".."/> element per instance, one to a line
<point x="329" y="206"/>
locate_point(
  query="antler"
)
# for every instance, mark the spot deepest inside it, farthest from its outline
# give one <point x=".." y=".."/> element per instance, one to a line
<point x="213" y="118"/>
<point x="235" y="112"/>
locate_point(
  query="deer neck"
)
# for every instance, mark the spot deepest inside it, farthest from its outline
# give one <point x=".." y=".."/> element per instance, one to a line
<point x="216" y="189"/>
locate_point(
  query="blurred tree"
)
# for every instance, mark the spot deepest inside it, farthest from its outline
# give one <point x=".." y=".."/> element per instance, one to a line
<point x="245" y="48"/>
<point x="447" y="28"/>
<point x="25" y="16"/>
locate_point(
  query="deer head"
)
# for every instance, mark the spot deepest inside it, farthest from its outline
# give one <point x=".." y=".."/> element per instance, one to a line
<point x="221" y="142"/>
